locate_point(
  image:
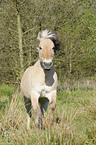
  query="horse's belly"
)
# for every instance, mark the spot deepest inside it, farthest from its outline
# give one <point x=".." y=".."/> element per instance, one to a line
<point x="47" y="95"/>
<point x="43" y="89"/>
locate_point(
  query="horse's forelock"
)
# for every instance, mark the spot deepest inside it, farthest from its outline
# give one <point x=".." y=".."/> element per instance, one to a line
<point x="49" y="35"/>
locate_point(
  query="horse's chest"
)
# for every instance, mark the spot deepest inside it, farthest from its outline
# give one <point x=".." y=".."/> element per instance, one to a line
<point x="47" y="87"/>
<point x="45" y="83"/>
<point x="49" y="80"/>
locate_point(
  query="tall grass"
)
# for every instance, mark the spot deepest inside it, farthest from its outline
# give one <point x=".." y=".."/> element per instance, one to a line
<point x="74" y="120"/>
<point x="84" y="83"/>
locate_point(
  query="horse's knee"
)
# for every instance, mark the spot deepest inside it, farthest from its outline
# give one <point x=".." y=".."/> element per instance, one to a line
<point x="36" y="107"/>
<point x="53" y="101"/>
<point x="53" y="105"/>
<point x="34" y="102"/>
<point x="37" y="111"/>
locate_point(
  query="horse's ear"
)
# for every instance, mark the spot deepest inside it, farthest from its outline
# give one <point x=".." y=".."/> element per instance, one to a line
<point x="39" y="36"/>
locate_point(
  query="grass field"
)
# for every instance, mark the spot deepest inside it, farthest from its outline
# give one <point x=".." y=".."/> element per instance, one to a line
<point x="76" y="110"/>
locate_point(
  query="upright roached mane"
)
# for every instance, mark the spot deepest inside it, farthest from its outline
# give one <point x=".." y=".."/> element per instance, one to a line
<point x="49" y="35"/>
<point x="39" y="82"/>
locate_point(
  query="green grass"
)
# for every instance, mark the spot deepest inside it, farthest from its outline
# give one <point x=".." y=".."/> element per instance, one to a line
<point x="6" y="92"/>
<point x="75" y="109"/>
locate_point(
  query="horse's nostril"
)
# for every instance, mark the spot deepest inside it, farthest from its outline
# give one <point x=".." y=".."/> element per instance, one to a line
<point x="50" y="63"/>
<point x="45" y="63"/>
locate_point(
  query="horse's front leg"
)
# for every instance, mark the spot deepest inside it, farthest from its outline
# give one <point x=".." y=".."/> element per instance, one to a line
<point x="52" y="104"/>
<point x="36" y="107"/>
<point x="28" y="109"/>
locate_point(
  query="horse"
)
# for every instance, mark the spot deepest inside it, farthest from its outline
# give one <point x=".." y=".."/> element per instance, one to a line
<point x="39" y="82"/>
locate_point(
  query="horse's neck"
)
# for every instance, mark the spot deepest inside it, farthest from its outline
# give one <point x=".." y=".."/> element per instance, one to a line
<point x="49" y="80"/>
<point x="48" y="74"/>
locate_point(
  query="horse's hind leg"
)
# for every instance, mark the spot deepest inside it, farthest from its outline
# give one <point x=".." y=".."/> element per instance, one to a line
<point x="28" y="109"/>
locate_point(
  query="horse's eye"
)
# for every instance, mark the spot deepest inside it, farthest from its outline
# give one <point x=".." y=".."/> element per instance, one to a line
<point x="40" y="48"/>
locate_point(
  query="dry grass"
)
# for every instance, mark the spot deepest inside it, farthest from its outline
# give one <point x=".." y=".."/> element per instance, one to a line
<point x="76" y="111"/>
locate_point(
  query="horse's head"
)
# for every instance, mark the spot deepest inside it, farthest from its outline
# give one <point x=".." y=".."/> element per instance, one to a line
<point x="48" y="44"/>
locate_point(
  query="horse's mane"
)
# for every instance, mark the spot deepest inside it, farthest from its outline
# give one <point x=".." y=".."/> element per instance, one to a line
<point x="49" y="35"/>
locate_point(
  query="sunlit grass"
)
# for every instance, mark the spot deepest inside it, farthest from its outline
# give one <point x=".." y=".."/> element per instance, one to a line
<point x="76" y="113"/>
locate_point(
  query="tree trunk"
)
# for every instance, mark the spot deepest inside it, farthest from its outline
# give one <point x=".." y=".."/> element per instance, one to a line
<point x="71" y="59"/>
<point x="20" y="44"/>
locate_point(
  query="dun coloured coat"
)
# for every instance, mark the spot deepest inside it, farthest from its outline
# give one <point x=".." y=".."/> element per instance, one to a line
<point x="39" y="82"/>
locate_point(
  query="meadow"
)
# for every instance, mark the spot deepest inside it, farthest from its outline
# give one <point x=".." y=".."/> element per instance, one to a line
<point x="74" y="119"/>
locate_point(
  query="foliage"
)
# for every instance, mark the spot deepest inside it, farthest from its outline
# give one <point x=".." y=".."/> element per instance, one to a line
<point x="76" y="112"/>
<point x="73" y="21"/>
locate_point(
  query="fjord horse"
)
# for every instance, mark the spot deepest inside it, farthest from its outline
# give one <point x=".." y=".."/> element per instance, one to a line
<point x="39" y="82"/>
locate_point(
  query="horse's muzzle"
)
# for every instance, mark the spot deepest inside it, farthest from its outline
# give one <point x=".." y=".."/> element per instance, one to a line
<point x="47" y="65"/>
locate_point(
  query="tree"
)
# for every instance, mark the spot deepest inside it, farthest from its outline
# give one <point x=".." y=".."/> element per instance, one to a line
<point x="73" y="21"/>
